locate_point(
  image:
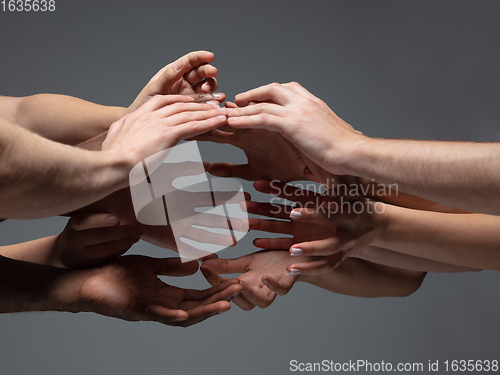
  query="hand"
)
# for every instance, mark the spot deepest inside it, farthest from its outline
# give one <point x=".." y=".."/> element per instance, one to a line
<point x="304" y="120"/>
<point x="92" y="239"/>
<point x="269" y="155"/>
<point x="189" y="74"/>
<point x="263" y="276"/>
<point x="316" y="229"/>
<point x="160" y="124"/>
<point x="129" y="288"/>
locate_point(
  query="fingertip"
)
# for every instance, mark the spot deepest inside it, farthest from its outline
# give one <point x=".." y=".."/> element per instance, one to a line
<point x="112" y="220"/>
<point x="182" y="316"/>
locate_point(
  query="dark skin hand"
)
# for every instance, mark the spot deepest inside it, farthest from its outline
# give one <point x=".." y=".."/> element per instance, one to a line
<point x="129" y="288"/>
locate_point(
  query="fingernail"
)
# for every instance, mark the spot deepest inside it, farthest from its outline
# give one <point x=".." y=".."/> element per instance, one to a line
<point x="178" y="65"/>
<point x="242" y="291"/>
<point x="265" y="281"/>
<point x="235" y="295"/>
<point x="218" y="95"/>
<point x="296" y="215"/>
<point x="113" y="220"/>
<point x="296" y="252"/>
<point x="232" y="120"/>
<point x="215" y="103"/>
<point x="294" y="271"/>
<point x="229" y="109"/>
<point x="179" y="319"/>
<point x="223" y="110"/>
<point x="221" y="117"/>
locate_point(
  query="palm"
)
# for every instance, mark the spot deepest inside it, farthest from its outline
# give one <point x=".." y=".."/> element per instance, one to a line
<point x="129" y="288"/>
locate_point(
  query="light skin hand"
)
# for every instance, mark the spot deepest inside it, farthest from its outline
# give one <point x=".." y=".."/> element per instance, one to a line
<point x="190" y="74"/>
<point x="262" y="275"/>
<point x="316" y="229"/>
<point x="304" y="120"/>
<point x="160" y="124"/>
<point x="269" y="155"/>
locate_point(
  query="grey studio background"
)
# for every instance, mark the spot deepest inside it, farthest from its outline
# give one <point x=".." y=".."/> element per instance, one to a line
<point x="421" y="69"/>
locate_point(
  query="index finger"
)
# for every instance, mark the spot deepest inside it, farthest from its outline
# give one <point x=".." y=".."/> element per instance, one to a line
<point x="274" y="92"/>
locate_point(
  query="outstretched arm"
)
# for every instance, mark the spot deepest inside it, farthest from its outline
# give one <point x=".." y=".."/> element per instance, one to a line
<point x="127" y="288"/>
<point x="459" y="174"/>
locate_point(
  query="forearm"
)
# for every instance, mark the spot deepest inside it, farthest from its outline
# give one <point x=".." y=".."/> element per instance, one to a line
<point x="471" y="241"/>
<point x="409" y="262"/>
<point x="32" y="287"/>
<point x="61" y="118"/>
<point x="357" y="277"/>
<point x="40" y="251"/>
<point x="459" y="174"/>
<point x="40" y="178"/>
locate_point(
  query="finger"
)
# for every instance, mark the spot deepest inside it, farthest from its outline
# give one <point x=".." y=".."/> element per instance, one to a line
<point x="271" y="226"/>
<point x="194" y="128"/>
<point x="160" y="101"/>
<point x="217" y="222"/>
<point x="223" y="291"/>
<point x="216" y="136"/>
<point x="203" y="312"/>
<point x="302" y="197"/>
<point x="204" y="236"/>
<point x="243" y="171"/>
<point x="171" y="266"/>
<point x="278" y="211"/>
<point x="110" y="250"/>
<point x="189" y="111"/>
<point x="200" y="73"/>
<point x="214" y="279"/>
<point x="204" y="97"/>
<point x="261" y="297"/>
<point x="171" y="73"/>
<point x="274" y="91"/>
<point x="274" y="243"/>
<point x="99" y="236"/>
<point x="326" y="246"/>
<point x="258" y="109"/>
<point x="297" y="87"/>
<point x="281" y="287"/>
<point x="163" y="315"/>
<point x="318" y="267"/>
<point x="224" y="266"/>
<point x="230" y="105"/>
<point x="88" y="221"/>
<point x="209" y="85"/>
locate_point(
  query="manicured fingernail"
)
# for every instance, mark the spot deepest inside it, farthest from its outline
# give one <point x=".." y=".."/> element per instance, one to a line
<point x="294" y="271"/>
<point x="232" y="120"/>
<point x="218" y="95"/>
<point x="221" y="117"/>
<point x="296" y="215"/>
<point x="229" y="109"/>
<point x="215" y="103"/>
<point x="295" y="252"/>
<point x="223" y="110"/>
<point x="178" y="65"/>
<point x="113" y="220"/>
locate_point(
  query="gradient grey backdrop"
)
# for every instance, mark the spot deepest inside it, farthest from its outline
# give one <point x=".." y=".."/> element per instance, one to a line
<point x="421" y="69"/>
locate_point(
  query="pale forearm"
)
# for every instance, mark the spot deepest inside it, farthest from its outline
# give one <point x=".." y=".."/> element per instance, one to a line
<point x="471" y="241"/>
<point x="357" y="277"/>
<point x="399" y="260"/>
<point x="40" y="251"/>
<point x="63" y="118"/>
<point x="40" y="178"/>
<point x="459" y="174"/>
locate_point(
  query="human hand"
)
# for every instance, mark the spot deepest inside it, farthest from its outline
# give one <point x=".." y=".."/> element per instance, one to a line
<point x="128" y="288"/>
<point x="316" y="230"/>
<point x="89" y="240"/>
<point x="160" y="124"/>
<point x="269" y="155"/>
<point x="300" y="117"/>
<point x="189" y="74"/>
<point x="263" y="275"/>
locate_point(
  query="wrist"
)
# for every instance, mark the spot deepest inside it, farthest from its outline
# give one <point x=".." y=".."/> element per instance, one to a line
<point x="354" y="154"/>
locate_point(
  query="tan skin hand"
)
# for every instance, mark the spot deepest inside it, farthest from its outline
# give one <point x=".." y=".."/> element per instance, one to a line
<point x="262" y="275"/>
